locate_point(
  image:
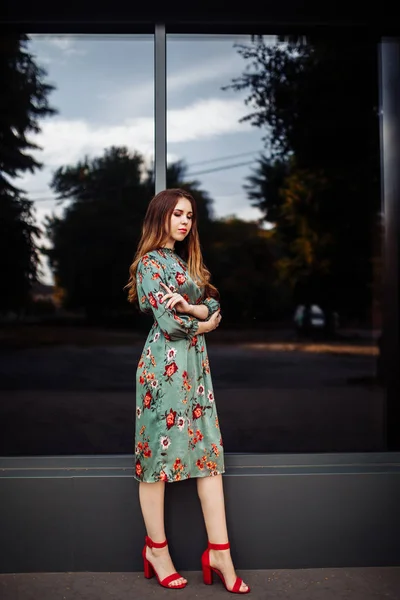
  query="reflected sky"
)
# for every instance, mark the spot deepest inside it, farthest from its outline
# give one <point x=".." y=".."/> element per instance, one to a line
<point x="105" y="96"/>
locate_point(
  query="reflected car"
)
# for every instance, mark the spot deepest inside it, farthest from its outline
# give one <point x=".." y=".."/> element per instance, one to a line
<point x="315" y="319"/>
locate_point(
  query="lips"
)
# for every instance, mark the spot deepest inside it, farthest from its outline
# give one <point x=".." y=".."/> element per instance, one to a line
<point x="183" y="230"/>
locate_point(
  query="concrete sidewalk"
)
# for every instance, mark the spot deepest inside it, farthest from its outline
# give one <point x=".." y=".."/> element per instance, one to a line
<point x="372" y="583"/>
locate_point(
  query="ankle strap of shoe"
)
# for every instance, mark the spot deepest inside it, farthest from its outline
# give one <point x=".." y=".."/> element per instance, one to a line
<point x="218" y="546"/>
<point x="151" y="544"/>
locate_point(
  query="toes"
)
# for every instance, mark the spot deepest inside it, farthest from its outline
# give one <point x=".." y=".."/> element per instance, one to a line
<point x="244" y="587"/>
<point x="177" y="582"/>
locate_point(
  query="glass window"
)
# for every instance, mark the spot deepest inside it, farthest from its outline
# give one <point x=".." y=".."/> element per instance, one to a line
<point x="68" y="342"/>
<point x="281" y="143"/>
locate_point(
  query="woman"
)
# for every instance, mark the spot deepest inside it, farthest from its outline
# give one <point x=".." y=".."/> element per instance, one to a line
<point x="177" y="431"/>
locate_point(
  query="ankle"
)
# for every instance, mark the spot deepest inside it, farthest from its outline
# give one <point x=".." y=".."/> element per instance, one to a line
<point x="221" y="554"/>
<point x="157" y="551"/>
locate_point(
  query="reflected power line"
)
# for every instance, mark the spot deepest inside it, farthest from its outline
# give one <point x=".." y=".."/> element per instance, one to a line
<point x="242" y="164"/>
<point x="189" y="175"/>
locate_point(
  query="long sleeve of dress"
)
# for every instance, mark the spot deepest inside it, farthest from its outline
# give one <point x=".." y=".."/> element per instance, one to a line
<point x="212" y="305"/>
<point x="174" y="326"/>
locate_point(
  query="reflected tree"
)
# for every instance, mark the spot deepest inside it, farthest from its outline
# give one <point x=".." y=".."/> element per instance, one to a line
<point x="94" y="241"/>
<point x="317" y="101"/>
<point x="23" y="103"/>
<point x="236" y="251"/>
<point x="243" y="262"/>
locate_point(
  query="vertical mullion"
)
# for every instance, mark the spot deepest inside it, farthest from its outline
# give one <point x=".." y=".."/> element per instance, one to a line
<point x="160" y="108"/>
<point x="390" y="173"/>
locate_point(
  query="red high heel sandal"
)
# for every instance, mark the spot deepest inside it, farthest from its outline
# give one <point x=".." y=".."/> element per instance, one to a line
<point x="208" y="569"/>
<point x="149" y="570"/>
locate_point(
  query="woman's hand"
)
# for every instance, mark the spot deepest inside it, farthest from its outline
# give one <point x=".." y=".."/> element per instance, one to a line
<point x="175" y="301"/>
<point x="214" y="320"/>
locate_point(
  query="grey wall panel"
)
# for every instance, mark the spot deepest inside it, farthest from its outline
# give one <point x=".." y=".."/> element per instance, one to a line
<point x="36" y="528"/>
<point x="107" y="524"/>
<point x="73" y="514"/>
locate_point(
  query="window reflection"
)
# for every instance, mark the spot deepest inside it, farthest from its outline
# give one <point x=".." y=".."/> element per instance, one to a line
<point x="281" y="141"/>
<point x="287" y="187"/>
<point x="66" y="328"/>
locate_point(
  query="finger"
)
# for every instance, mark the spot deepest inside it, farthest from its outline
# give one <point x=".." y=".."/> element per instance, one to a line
<point x="171" y="300"/>
<point x="178" y="298"/>
<point x="167" y="287"/>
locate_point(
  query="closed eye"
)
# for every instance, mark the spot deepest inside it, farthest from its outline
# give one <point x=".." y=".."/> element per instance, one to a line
<point x="179" y="214"/>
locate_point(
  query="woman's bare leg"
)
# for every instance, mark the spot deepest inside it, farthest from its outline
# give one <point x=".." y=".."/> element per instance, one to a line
<point x="151" y="496"/>
<point x="211" y="494"/>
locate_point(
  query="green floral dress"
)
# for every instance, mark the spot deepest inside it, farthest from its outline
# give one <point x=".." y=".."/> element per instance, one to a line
<point x="177" y="433"/>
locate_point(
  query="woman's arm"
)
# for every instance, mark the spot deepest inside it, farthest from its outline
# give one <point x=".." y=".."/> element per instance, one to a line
<point x="204" y="327"/>
<point x="211" y="324"/>
<point x="175" y="326"/>
<point x="205" y="309"/>
<point x="212" y="305"/>
<point x="207" y="322"/>
<point x="199" y="311"/>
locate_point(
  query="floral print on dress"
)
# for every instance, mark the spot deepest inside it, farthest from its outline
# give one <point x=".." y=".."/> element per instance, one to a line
<point x="177" y="434"/>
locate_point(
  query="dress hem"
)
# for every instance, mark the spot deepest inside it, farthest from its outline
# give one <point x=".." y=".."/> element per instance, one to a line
<point x="182" y="478"/>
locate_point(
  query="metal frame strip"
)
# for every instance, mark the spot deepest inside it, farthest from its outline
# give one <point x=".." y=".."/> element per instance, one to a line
<point x="160" y="108"/>
<point x="389" y="54"/>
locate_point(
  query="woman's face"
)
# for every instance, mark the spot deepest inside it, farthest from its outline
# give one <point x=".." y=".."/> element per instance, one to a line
<point x="181" y="221"/>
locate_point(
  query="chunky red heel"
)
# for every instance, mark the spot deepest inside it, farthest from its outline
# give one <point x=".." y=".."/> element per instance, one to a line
<point x="149" y="570"/>
<point x="208" y="569"/>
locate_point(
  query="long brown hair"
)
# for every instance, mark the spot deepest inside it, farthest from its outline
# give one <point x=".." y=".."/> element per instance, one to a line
<point x="153" y="236"/>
